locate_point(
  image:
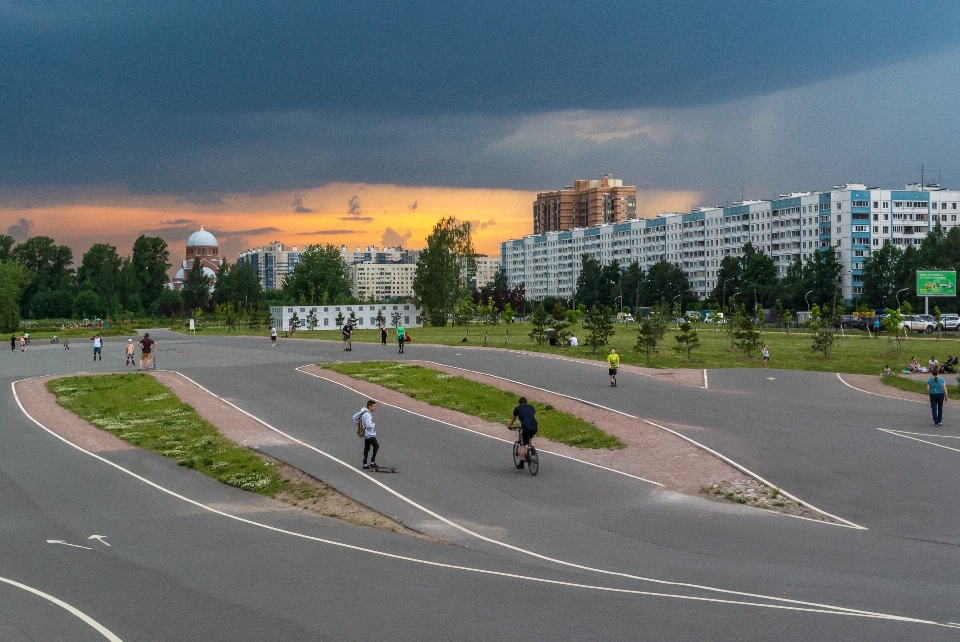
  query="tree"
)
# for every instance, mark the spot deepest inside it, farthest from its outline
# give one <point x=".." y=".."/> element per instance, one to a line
<point x="381" y="320"/>
<point x="46" y="263"/>
<point x="99" y="270"/>
<point x="444" y="270"/>
<point x="561" y="326"/>
<point x="821" y="341"/>
<point x="507" y="314"/>
<point x="937" y="318"/>
<point x="588" y="281"/>
<point x="651" y="331"/>
<point x="340" y="318"/>
<point x="687" y="339"/>
<point x="893" y="324"/>
<point x="539" y="323"/>
<point x="879" y="274"/>
<point x="464" y="311"/>
<point x="631" y="280"/>
<point x="728" y="279"/>
<point x="149" y="264"/>
<point x="394" y="318"/>
<point x="89" y="305"/>
<point x="664" y="281"/>
<point x="352" y="319"/>
<point x="599" y="326"/>
<point x="312" y="320"/>
<point x="746" y="336"/>
<point x="170" y="303"/>
<point x="609" y="284"/>
<point x="320" y="273"/>
<point x="237" y="284"/>
<point x="6" y="245"/>
<point x="13" y="279"/>
<point x="196" y="287"/>
<point x="787" y="320"/>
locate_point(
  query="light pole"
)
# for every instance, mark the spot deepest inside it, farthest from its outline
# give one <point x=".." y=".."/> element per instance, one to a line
<point x="724" y="303"/>
<point x="807" y="300"/>
<point x="898" y="296"/>
<point x="620" y="308"/>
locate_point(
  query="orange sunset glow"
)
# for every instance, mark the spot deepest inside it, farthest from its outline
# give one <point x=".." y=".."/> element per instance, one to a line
<point x="352" y="214"/>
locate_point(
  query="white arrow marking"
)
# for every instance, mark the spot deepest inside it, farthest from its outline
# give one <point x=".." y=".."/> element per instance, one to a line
<point x="60" y="541"/>
<point x="99" y="538"/>
<point x="770" y="378"/>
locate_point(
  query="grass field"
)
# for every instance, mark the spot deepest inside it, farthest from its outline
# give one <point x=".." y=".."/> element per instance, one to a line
<point x="140" y="410"/>
<point x="920" y="386"/>
<point x="477" y="399"/>
<point x="77" y="333"/>
<point x="853" y="352"/>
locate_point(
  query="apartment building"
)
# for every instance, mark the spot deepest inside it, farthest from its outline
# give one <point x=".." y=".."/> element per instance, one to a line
<point x="852" y="218"/>
<point x="586" y="203"/>
<point x="382" y="280"/>
<point x="487" y="267"/>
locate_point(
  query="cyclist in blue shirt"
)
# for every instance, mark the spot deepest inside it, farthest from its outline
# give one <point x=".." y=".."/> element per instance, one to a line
<point x="528" y="426"/>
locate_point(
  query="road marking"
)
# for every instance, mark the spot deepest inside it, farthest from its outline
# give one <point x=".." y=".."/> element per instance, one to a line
<point x="845" y="523"/>
<point x="771" y="378"/>
<point x="809" y="607"/>
<point x="99" y="628"/>
<point x="905" y="435"/>
<point x="99" y="538"/>
<point x="60" y="541"/>
<point x="705" y="384"/>
<point x="877" y="394"/>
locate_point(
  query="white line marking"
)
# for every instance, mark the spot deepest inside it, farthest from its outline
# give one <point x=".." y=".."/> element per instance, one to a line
<point x="924" y="441"/>
<point x="99" y="628"/>
<point x="743" y="469"/>
<point x="877" y="394"/>
<point x="923" y="434"/>
<point x="60" y="541"/>
<point x="811" y="607"/>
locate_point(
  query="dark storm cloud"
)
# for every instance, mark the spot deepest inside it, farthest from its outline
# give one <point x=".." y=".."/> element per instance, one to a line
<point x="361" y="219"/>
<point x="183" y="232"/>
<point x="201" y="99"/>
<point x="321" y="232"/>
<point x="20" y="230"/>
<point x="179" y="221"/>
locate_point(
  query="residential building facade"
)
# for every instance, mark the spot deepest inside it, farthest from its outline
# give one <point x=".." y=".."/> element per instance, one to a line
<point x="487" y="267"/>
<point x="853" y="219"/>
<point x="408" y="314"/>
<point x="586" y="203"/>
<point x="382" y="280"/>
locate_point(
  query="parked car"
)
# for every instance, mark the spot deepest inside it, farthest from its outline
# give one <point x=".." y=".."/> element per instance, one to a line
<point x="916" y="323"/>
<point x="950" y="322"/>
<point x="850" y="321"/>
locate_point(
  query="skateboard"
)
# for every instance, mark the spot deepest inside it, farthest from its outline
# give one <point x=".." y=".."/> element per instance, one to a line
<point x="382" y="469"/>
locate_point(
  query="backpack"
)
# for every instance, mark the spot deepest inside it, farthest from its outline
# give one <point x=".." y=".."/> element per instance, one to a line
<point x="360" y="424"/>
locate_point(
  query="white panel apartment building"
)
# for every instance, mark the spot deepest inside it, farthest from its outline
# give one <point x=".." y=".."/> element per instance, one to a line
<point x="383" y="280"/>
<point x="853" y="219"/>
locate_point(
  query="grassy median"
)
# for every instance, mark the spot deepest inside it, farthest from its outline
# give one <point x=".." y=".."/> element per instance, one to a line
<point x="919" y="386"/>
<point x="477" y="399"/>
<point x="140" y="410"/>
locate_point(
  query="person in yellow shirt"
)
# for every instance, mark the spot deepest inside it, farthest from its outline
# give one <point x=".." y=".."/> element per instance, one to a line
<point x="613" y="359"/>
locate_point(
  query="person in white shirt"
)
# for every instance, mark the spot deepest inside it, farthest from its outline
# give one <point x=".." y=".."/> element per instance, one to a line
<point x="573" y="341"/>
<point x="369" y="432"/>
<point x="97" y="347"/>
<point x="273" y="336"/>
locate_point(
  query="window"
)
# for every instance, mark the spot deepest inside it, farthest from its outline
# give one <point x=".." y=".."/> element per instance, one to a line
<point x="876" y="205"/>
<point x="326" y="321"/>
<point x="898" y="203"/>
<point x="838" y="218"/>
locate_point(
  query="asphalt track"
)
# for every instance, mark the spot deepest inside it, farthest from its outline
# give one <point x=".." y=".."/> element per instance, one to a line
<point x="575" y="553"/>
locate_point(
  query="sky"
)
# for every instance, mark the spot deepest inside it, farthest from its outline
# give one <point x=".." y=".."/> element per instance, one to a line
<point x="363" y="123"/>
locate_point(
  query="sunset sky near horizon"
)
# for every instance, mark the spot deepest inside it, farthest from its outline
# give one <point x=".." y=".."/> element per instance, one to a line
<point x="364" y="123"/>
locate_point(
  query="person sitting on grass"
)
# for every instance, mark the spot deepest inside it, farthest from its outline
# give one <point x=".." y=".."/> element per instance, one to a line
<point x="914" y="365"/>
<point x="887" y="372"/>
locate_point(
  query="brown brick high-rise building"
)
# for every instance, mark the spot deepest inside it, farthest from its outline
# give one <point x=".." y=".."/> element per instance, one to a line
<point x="586" y="204"/>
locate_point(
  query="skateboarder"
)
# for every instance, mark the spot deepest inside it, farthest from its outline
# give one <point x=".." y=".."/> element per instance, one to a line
<point x="369" y="432"/>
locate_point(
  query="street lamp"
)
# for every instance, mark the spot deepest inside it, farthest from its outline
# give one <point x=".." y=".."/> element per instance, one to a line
<point x="724" y="304"/>
<point x="807" y="300"/>
<point x="898" y="295"/>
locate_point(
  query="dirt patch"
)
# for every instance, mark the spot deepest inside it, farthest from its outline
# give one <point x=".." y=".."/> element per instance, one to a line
<point x="304" y="491"/>
<point x="650" y="453"/>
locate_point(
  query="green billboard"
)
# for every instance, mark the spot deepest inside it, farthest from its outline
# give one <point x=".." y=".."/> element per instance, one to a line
<point x="936" y="283"/>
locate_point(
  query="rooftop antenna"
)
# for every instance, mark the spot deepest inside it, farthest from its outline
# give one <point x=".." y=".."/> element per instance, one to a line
<point x="741" y="192"/>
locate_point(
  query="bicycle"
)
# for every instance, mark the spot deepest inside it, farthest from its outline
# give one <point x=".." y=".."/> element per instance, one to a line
<point x="533" y="459"/>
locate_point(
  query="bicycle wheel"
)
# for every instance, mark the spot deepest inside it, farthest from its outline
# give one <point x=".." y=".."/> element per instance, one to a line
<point x="533" y="460"/>
<point x="516" y="454"/>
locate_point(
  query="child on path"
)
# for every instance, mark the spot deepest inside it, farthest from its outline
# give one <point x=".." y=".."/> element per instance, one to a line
<point x="23" y="343"/>
<point x="66" y="344"/>
<point x="130" y="359"/>
<point x="765" y="351"/>
<point x="273" y="336"/>
<point x="613" y="359"/>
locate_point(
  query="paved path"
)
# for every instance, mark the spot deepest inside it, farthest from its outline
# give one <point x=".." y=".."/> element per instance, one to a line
<point x="575" y="553"/>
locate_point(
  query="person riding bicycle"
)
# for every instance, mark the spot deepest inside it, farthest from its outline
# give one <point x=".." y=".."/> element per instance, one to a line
<point x="528" y="426"/>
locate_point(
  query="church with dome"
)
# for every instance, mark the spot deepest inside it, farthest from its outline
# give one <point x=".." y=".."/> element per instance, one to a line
<point x="201" y="245"/>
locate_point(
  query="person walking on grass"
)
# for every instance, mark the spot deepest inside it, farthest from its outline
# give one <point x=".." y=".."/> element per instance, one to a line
<point x="937" y="389"/>
<point x="401" y="335"/>
<point x="146" y="352"/>
<point x="613" y="360"/>
<point x="129" y="352"/>
<point x="765" y="351"/>
<point x="369" y="433"/>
